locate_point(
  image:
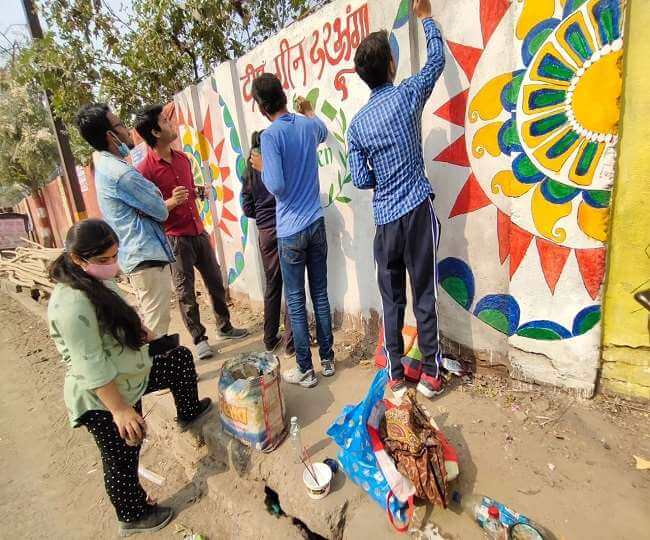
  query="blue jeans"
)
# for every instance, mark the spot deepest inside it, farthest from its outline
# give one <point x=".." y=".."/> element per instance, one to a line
<point x="307" y="249"/>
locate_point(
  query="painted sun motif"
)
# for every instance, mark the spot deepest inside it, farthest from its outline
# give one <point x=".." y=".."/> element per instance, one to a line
<point x="207" y="148"/>
<point x="543" y="135"/>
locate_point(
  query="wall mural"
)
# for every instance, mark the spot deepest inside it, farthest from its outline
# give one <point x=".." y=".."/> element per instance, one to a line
<point x="218" y="163"/>
<point x="539" y="148"/>
<point x="519" y="138"/>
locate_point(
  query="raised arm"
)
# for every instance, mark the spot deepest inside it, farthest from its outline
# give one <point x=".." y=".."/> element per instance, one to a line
<point x="422" y="83"/>
<point x="303" y="106"/>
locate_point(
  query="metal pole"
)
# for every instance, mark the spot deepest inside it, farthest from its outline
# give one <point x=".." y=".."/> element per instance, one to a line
<point x="65" y="152"/>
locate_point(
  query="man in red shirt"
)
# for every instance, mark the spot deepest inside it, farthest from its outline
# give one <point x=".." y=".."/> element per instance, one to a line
<point x="171" y="171"/>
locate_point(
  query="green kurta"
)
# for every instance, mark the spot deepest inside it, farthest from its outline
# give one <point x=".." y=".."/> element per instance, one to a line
<point x="93" y="358"/>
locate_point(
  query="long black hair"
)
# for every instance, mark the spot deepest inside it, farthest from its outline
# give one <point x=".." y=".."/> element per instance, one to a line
<point x="87" y="239"/>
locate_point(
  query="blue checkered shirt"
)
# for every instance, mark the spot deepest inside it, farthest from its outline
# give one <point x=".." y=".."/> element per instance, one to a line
<point x="385" y="138"/>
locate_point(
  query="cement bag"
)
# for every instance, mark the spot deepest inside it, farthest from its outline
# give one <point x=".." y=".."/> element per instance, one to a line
<point x="250" y="400"/>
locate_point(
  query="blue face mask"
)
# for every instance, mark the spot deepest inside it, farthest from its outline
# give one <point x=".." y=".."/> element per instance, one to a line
<point x="122" y="148"/>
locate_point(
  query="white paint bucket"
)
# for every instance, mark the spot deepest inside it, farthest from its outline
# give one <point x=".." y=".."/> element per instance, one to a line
<point x="323" y="474"/>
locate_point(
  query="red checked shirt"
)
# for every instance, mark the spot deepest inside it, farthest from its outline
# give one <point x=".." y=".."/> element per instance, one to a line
<point x="184" y="220"/>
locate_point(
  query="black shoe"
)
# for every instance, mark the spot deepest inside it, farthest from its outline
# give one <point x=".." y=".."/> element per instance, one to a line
<point x="155" y="518"/>
<point x="233" y="333"/>
<point x="271" y="347"/>
<point x="204" y="406"/>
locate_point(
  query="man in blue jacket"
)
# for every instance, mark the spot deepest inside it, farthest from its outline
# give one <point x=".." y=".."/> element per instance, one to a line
<point x="385" y="153"/>
<point x="135" y="209"/>
<point x="290" y="172"/>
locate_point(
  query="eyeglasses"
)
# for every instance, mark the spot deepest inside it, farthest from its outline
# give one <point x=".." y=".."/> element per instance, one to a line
<point x="118" y="125"/>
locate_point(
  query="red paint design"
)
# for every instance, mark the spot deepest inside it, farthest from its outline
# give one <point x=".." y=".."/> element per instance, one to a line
<point x="333" y="44"/>
<point x="227" y="214"/>
<point x="454" y="110"/>
<point x="471" y="198"/>
<point x="466" y="56"/>
<point x="492" y="11"/>
<point x="455" y="153"/>
<point x="207" y="127"/>
<point x="224" y="228"/>
<point x="218" y="151"/>
<point x="552" y="258"/>
<point x="227" y="194"/>
<point x="225" y="173"/>
<point x="340" y="84"/>
<point x="519" y="242"/>
<point x="592" y="269"/>
<point x="503" y="233"/>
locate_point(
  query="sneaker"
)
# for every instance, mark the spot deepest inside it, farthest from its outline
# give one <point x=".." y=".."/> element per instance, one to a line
<point x="328" y="368"/>
<point x="295" y="376"/>
<point x="273" y="345"/>
<point x="398" y="387"/>
<point x="154" y="519"/>
<point x="233" y="333"/>
<point x="205" y="405"/>
<point x="429" y="386"/>
<point x="203" y="350"/>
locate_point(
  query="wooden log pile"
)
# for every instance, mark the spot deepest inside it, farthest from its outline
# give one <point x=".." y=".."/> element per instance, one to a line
<point x="27" y="267"/>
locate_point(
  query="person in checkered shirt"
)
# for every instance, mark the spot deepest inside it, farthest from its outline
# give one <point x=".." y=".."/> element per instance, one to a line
<point x="385" y="154"/>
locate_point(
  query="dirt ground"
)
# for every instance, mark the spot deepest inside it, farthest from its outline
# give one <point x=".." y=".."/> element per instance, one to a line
<point x="567" y="463"/>
<point x="51" y="482"/>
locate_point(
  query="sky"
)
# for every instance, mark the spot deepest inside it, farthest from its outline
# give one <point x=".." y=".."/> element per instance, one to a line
<point x="13" y="14"/>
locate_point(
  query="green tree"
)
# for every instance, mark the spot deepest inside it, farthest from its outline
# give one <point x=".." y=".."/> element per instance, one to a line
<point x="28" y="151"/>
<point x="147" y="53"/>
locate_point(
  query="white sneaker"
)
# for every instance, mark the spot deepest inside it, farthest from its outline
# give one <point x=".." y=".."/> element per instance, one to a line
<point x="203" y="350"/>
<point x="295" y="376"/>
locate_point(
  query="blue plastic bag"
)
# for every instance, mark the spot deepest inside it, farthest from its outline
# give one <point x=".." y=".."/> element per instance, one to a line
<point x="349" y="431"/>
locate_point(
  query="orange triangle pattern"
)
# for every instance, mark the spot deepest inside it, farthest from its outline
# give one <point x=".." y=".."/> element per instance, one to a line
<point x="553" y="258"/>
<point x="223" y="227"/>
<point x="519" y="242"/>
<point x="225" y="173"/>
<point x="454" y="110"/>
<point x="503" y="234"/>
<point x="466" y="56"/>
<point x="207" y="127"/>
<point x="190" y="117"/>
<point x="592" y="269"/>
<point x="218" y="151"/>
<point x="455" y="153"/>
<point x="227" y="214"/>
<point x="492" y="11"/>
<point x="471" y="198"/>
<point x="228" y="194"/>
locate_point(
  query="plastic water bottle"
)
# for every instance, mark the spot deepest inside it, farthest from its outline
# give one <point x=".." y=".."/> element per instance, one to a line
<point x="489" y="513"/>
<point x="493" y="526"/>
<point x="294" y="436"/>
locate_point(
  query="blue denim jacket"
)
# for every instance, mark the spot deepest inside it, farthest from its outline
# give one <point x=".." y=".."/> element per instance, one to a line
<point x="135" y="208"/>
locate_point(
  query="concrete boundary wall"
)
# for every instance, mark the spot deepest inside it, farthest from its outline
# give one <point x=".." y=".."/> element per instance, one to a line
<point x="520" y="141"/>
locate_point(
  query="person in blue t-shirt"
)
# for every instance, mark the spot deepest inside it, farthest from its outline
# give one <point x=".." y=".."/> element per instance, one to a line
<point x="289" y="167"/>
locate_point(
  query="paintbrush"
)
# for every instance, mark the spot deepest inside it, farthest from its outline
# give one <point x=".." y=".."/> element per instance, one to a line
<point x="309" y="471"/>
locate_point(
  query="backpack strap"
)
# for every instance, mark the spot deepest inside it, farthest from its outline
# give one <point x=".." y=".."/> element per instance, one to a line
<point x="409" y="513"/>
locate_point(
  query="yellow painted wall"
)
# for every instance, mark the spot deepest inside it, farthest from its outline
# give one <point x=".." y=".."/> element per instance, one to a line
<point x="626" y="345"/>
